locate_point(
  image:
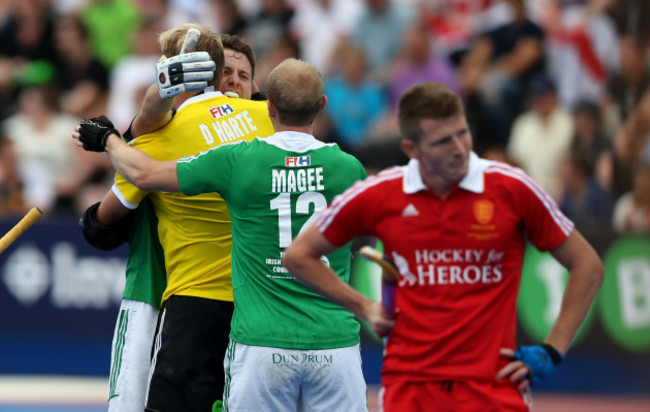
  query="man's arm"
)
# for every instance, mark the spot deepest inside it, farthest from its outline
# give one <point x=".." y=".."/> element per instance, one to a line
<point x="631" y="136"/>
<point x="184" y="75"/>
<point x="111" y="210"/>
<point x="303" y="259"/>
<point x="111" y="229"/>
<point x="154" y="113"/>
<point x="98" y="135"/>
<point x="586" y="273"/>
<point x="141" y="169"/>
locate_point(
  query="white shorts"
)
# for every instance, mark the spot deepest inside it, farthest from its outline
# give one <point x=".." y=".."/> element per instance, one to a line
<point x="131" y="356"/>
<point x="260" y="378"/>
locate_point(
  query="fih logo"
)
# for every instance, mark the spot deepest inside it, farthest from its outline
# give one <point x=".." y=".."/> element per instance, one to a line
<point x="300" y="161"/>
<point x="220" y="111"/>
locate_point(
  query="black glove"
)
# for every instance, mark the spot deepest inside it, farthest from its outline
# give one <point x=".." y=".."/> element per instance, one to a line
<point x="94" y="133"/>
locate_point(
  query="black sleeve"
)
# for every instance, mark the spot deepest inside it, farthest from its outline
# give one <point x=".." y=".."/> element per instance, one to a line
<point x="104" y="237"/>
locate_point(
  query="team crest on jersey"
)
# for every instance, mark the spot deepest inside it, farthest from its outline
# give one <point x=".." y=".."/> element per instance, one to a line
<point x="299" y="161"/>
<point x="220" y="111"/>
<point x="483" y="211"/>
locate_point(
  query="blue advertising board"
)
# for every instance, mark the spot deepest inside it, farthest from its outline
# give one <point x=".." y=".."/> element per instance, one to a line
<point x="58" y="298"/>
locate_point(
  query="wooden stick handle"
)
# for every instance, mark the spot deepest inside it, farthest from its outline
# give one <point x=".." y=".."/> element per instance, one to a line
<point x="25" y="223"/>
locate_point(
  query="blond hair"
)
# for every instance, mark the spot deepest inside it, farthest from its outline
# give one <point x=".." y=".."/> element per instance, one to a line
<point x="171" y="42"/>
<point x="296" y="89"/>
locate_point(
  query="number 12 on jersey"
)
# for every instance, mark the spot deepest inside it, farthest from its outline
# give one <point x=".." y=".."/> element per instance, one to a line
<point x="287" y="217"/>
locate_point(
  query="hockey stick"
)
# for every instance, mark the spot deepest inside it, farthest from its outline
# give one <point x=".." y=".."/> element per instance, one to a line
<point x="389" y="276"/>
<point x="25" y="223"/>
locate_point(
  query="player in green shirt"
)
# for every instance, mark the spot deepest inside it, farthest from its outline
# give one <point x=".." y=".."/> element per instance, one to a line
<point x="145" y="272"/>
<point x="290" y="349"/>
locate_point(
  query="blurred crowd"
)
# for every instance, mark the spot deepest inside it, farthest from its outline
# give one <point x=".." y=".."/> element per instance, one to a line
<point x="560" y="88"/>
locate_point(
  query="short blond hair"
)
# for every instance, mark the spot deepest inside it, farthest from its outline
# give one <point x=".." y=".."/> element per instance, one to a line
<point x="171" y="42"/>
<point x="296" y="89"/>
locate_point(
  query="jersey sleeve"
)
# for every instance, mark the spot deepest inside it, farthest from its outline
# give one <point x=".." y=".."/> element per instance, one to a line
<point x="152" y="144"/>
<point x="128" y="194"/>
<point x="546" y="226"/>
<point x="207" y="171"/>
<point x="349" y="215"/>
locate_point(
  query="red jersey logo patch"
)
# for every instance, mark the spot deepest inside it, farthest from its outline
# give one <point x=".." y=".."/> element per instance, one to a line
<point x="483" y="211"/>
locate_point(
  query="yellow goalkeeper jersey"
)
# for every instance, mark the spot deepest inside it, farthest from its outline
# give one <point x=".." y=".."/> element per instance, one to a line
<point x="195" y="231"/>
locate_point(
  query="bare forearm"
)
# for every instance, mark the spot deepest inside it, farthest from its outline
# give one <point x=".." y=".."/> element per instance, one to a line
<point x="527" y="53"/>
<point x="317" y="276"/>
<point x="154" y="114"/>
<point x="578" y="297"/>
<point x="129" y="162"/>
<point x="141" y="169"/>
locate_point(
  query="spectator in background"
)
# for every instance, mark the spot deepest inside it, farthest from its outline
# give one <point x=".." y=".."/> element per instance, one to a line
<point x="455" y="23"/>
<point x="626" y="85"/>
<point x="418" y="63"/>
<point x="632" y="210"/>
<point x="593" y="145"/>
<point x="12" y="202"/>
<point x="581" y="47"/>
<point x="320" y="26"/>
<point x="269" y="25"/>
<point x="133" y="74"/>
<point x="55" y="172"/>
<point x="229" y="18"/>
<point x="583" y="200"/>
<point x="82" y="78"/>
<point x="542" y="135"/>
<point x="494" y="73"/>
<point x="111" y="24"/>
<point x="356" y="102"/>
<point x="632" y="144"/>
<point x="26" y="49"/>
<point x="283" y="48"/>
<point x="380" y="30"/>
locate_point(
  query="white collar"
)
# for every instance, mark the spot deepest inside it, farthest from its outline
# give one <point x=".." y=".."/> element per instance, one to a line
<point x="208" y="93"/>
<point x="295" y="141"/>
<point x="473" y="181"/>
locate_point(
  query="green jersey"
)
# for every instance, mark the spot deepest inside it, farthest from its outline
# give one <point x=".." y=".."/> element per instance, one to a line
<point x="274" y="187"/>
<point x="145" y="268"/>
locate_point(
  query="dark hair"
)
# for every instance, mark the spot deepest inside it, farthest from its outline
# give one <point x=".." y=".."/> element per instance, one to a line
<point x="239" y="45"/>
<point x="589" y="108"/>
<point x="430" y="100"/>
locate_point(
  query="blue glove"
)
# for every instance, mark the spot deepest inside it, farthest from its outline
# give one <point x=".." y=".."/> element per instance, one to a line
<point x="541" y="359"/>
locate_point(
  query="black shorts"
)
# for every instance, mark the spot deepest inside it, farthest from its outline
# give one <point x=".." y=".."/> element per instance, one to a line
<point x="187" y="355"/>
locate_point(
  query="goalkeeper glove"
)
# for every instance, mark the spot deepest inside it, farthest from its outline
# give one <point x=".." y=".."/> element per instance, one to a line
<point x="541" y="360"/>
<point x="185" y="72"/>
<point x="94" y="132"/>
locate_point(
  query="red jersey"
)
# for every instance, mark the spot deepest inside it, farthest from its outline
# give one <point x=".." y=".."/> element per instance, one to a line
<point x="459" y="262"/>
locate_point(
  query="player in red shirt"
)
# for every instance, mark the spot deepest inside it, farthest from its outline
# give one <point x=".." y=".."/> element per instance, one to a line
<point x="456" y="226"/>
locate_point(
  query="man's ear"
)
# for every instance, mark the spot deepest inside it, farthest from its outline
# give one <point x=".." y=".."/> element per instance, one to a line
<point x="408" y="147"/>
<point x="272" y="110"/>
<point x="323" y="104"/>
